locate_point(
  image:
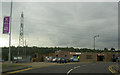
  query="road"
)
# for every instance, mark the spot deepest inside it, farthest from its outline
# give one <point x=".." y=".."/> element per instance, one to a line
<point x="99" y="68"/>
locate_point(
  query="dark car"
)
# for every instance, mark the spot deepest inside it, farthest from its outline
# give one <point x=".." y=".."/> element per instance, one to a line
<point x="63" y="60"/>
<point x="58" y="60"/>
<point x="118" y="60"/>
<point x="20" y="61"/>
<point x="114" y="59"/>
<point x="66" y="59"/>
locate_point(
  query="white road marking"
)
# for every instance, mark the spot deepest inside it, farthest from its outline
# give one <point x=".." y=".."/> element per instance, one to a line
<point x="69" y="71"/>
<point x="75" y="67"/>
<point x="72" y="69"/>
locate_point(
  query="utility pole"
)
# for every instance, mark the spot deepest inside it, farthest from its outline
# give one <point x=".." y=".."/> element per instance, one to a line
<point x="21" y="36"/>
<point x="94" y="40"/>
<point x="9" y="56"/>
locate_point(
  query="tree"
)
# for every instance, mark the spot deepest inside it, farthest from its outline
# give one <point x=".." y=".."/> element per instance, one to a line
<point x="112" y="49"/>
<point x="106" y="49"/>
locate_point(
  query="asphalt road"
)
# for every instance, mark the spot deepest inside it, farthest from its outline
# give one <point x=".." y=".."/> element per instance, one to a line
<point x="88" y="68"/>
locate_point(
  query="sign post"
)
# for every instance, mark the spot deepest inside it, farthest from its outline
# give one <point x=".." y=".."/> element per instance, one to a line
<point x="7" y="30"/>
<point x="9" y="57"/>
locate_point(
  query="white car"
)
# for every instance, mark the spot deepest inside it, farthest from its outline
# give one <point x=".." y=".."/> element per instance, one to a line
<point x="49" y="59"/>
<point x="54" y="59"/>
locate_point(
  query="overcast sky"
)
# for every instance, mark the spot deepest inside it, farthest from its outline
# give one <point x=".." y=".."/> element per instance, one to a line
<point x="72" y="24"/>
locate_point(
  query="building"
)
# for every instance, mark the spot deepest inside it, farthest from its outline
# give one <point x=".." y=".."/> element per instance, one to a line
<point x="83" y="56"/>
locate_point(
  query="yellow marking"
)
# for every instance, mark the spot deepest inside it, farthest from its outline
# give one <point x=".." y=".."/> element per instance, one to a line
<point x="110" y="68"/>
<point x="20" y="70"/>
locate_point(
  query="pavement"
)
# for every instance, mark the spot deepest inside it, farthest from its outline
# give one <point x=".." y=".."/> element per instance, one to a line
<point x="9" y="69"/>
<point x="100" y="68"/>
<point x="37" y="64"/>
<point x="25" y="66"/>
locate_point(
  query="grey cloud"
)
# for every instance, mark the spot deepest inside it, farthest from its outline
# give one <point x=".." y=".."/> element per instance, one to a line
<point x="67" y="24"/>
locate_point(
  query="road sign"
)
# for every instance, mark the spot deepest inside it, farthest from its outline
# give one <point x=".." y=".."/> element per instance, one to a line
<point x="6" y="25"/>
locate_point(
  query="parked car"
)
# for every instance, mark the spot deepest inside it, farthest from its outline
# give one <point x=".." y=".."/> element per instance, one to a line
<point x="67" y="59"/>
<point x="74" y="59"/>
<point x="1" y="60"/>
<point x="63" y="60"/>
<point x="20" y="61"/>
<point x="54" y="59"/>
<point x="118" y="59"/>
<point x="58" y="60"/>
<point x="50" y="58"/>
<point x="114" y="59"/>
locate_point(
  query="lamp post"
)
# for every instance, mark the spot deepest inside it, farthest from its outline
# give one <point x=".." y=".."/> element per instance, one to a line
<point x="9" y="54"/>
<point x="94" y="40"/>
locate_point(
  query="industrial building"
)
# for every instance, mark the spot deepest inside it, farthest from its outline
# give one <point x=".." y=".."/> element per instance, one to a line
<point x="83" y="56"/>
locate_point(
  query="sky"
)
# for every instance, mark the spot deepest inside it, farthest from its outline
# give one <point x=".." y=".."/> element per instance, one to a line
<point x="68" y="24"/>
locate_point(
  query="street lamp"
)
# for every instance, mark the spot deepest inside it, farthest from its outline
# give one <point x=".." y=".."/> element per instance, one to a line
<point x="9" y="54"/>
<point x="94" y="40"/>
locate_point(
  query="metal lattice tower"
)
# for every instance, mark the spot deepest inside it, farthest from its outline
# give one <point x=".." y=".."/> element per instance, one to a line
<point x="21" y="36"/>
